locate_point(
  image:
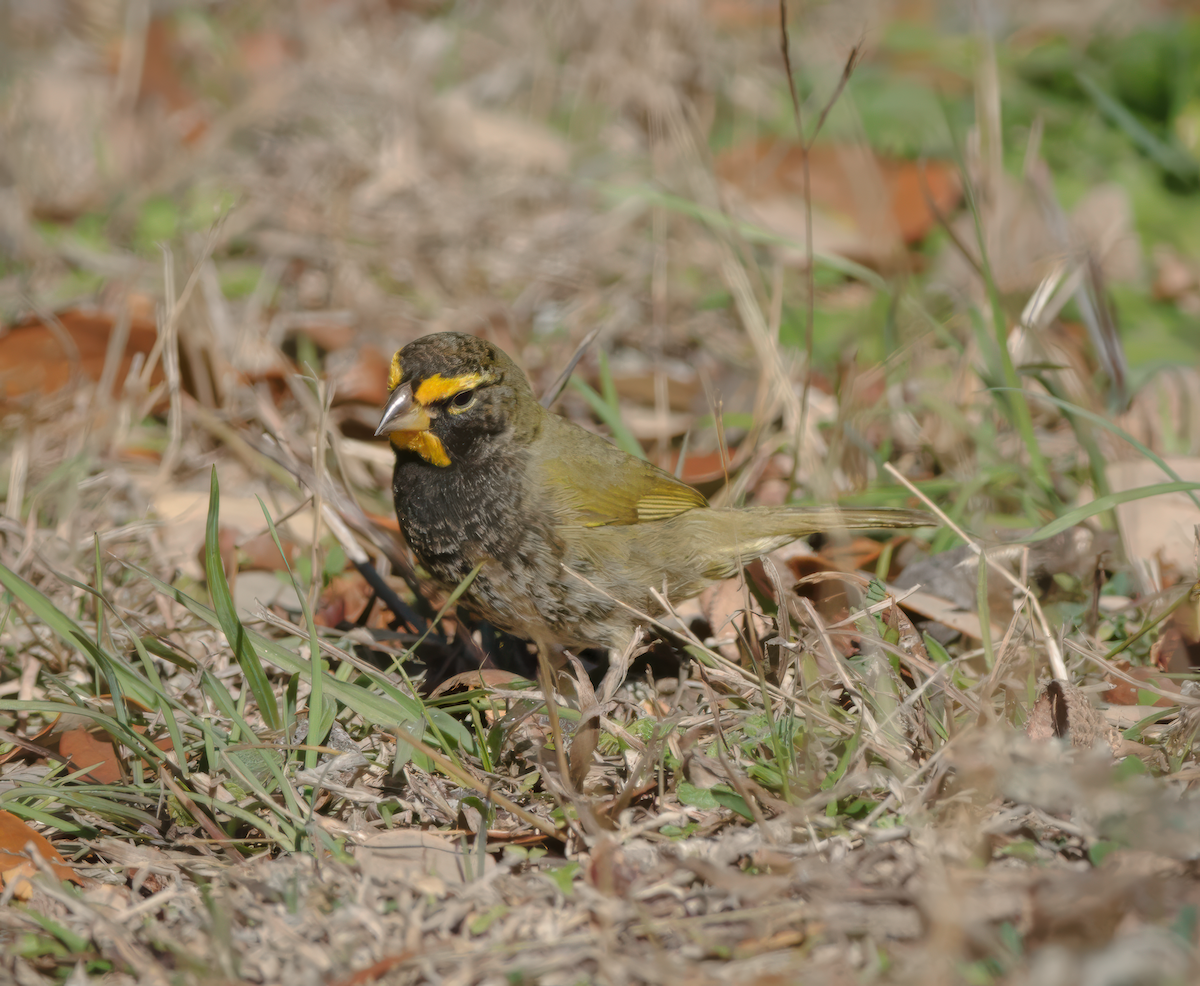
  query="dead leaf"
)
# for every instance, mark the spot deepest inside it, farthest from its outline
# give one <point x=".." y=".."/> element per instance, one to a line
<point x="725" y="607"/>
<point x="88" y="745"/>
<point x="163" y="83"/>
<point x="865" y="207"/>
<point x="1159" y="532"/>
<point x="850" y="556"/>
<point x="705" y="467"/>
<point x="587" y="734"/>
<point x="1174" y="277"/>
<point x="742" y="14"/>
<point x="259" y="553"/>
<point x="25" y="746"/>
<point x="485" y="678"/>
<point x="500" y="139"/>
<point x="1124" y="693"/>
<point x="264" y="53"/>
<point x="609" y="870"/>
<point x="408" y="855"/>
<point x="364" y="380"/>
<point x="38" y="357"/>
<point x="92" y="747"/>
<point x="16" y="865"/>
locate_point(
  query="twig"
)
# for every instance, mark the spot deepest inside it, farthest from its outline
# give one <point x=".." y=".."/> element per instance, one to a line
<point x="556" y="388"/>
<point x="1057" y="667"/>
<point x="806" y="145"/>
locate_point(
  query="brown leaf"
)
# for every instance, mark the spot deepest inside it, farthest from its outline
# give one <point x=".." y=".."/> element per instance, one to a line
<point x="162" y="82"/>
<point x="15" y="865"/>
<point x="725" y="607"/>
<point x="403" y="854"/>
<point x="264" y="53"/>
<point x="87" y="744"/>
<point x="706" y="467"/>
<point x="1124" y="693"/>
<point x="865" y="207"/>
<point x="92" y="747"/>
<point x="29" y="745"/>
<point x="364" y="380"/>
<point x="742" y="14"/>
<point x="609" y="870"/>
<point x="260" y="553"/>
<point x="227" y="539"/>
<point x="38" y="357"/>
<point x="850" y="556"/>
<point x="1159" y="530"/>
<point x="587" y="734"/>
<point x="343" y="599"/>
<point x="484" y="678"/>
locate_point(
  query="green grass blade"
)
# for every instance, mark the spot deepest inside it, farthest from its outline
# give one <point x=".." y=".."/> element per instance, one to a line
<point x="1103" y="503"/>
<point x="104" y="801"/>
<point x="270" y="759"/>
<point x="120" y="676"/>
<point x="1170" y="157"/>
<point x="118" y="731"/>
<point x="611" y="416"/>
<point x="393" y="710"/>
<point x="1097" y="419"/>
<point x="162" y="703"/>
<point x="984" y="609"/>
<point x="320" y="712"/>
<point x="231" y="626"/>
<point x="1015" y="407"/>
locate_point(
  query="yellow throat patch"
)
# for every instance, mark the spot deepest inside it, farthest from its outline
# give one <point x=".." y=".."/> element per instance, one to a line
<point x="425" y="443"/>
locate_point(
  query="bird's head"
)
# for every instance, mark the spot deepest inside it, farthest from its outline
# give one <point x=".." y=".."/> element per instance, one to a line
<point x="451" y="394"/>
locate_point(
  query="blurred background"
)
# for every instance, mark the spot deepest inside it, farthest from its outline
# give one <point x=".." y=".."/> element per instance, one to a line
<point x="221" y="196"/>
<point x="960" y="239"/>
<point x="219" y="220"/>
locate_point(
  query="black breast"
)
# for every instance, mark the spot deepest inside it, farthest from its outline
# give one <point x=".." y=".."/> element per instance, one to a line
<point x="455" y="516"/>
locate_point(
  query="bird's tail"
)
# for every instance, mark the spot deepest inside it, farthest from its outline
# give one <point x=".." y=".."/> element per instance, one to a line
<point x="725" y="539"/>
<point x="798" y="522"/>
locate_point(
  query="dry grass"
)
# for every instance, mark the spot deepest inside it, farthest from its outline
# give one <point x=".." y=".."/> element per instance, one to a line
<point x="230" y="215"/>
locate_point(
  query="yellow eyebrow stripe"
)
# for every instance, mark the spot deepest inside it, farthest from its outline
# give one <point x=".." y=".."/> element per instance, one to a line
<point x="395" y="372"/>
<point x="438" y="387"/>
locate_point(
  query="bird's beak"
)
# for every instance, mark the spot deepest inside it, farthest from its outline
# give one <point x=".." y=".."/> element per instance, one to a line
<point x="402" y="413"/>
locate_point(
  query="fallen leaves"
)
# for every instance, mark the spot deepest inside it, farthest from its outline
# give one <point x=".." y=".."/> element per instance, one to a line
<point x="865" y="206"/>
<point x="16" y="866"/>
<point x="41" y="355"/>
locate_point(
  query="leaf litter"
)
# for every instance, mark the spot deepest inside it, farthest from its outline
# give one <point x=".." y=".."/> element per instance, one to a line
<point x="270" y="764"/>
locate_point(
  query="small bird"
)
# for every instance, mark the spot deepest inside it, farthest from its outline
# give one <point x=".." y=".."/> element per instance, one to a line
<point x="571" y="533"/>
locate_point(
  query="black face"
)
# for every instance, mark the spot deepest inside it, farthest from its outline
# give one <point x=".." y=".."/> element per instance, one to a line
<point x="469" y="388"/>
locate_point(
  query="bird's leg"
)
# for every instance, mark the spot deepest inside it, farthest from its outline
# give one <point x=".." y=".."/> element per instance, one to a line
<point x="546" y="678"/>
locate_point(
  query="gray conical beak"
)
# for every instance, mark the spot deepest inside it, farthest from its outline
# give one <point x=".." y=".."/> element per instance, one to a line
<point x="402" y="413"/>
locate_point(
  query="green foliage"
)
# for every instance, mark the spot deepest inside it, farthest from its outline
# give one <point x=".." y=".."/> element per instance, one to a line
<point x="157" y="222"/>
<point x="607" y="407"/>
<point x="563" y="877"/>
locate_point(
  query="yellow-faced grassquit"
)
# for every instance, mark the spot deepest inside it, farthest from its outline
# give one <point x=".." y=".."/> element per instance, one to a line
<point x="572" y="532"/>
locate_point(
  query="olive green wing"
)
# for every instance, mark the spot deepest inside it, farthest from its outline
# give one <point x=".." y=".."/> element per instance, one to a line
<point x="592" y="483"/>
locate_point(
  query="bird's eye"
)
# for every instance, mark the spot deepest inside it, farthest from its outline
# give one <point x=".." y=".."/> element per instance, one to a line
<point x="463" y="398"/>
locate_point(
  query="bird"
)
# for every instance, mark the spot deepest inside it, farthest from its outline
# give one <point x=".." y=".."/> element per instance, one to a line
<point x="573" y="538"/>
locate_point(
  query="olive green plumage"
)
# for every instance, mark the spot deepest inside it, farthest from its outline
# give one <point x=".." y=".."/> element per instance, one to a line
<point x="572" y="532"/>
